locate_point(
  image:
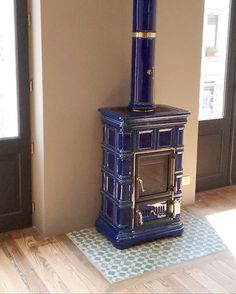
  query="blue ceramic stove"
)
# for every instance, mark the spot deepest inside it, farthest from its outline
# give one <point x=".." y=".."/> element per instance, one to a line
<point x="142" y="152"/>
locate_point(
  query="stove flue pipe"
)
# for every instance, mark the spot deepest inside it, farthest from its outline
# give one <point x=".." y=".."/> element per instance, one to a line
<point x="143" y="55"/>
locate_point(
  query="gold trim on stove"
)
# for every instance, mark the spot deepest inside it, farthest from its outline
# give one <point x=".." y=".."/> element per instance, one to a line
<point x="165" y="130"/>
<point x="142" y="110"/>
<point x="172" y="172"/>
<point x="144" y="35"/>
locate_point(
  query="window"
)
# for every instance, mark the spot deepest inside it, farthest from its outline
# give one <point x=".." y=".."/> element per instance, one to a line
<point x="8" y="77"/>
<point x="212" y="30"/>
<point x="214" y="59"/>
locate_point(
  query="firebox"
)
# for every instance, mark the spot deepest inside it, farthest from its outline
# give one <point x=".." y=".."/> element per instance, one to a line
<point x="142" y="151"/>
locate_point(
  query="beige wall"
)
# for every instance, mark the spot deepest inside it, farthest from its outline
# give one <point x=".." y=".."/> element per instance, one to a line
<point x="85" y="65"/>
<point x="180" y="25"/>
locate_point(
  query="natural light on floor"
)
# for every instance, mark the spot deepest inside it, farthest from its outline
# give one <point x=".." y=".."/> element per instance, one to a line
<point x="224" y="224"/>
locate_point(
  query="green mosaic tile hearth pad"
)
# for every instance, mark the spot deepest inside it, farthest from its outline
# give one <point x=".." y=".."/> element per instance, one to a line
<point x="199" y="239"/>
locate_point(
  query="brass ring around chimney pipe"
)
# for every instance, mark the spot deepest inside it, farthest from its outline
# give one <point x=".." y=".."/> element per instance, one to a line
<point x="144" y="35"/>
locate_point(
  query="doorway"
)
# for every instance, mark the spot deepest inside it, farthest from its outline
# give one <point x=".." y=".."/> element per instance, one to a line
<point x="216" y="95"/>
<point x="15" y="153"/>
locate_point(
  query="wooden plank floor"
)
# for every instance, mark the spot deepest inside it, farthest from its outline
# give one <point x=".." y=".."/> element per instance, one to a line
<point x="29" y="263"/>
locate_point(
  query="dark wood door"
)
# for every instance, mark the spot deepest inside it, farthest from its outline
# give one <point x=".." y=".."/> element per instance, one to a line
<point x="214" y="140"/>
<point x="15" y="153"/>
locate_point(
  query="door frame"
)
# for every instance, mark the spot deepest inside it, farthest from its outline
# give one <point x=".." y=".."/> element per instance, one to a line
<point x="232" y="91"/>
<point x="229" y="112"/>
<point x="20" y="146"/>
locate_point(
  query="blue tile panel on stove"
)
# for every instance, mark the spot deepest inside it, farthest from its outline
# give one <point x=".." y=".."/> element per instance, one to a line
<point x="124" y="134"/>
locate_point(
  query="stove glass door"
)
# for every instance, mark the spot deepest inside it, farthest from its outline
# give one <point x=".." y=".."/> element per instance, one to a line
<point x="153" y="174"/>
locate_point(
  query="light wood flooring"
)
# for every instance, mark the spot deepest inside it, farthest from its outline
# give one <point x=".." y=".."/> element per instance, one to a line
<point x="29" y="263"/>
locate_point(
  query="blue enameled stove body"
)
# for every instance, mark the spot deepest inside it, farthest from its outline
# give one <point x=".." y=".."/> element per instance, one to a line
<point x="127" y="217"/>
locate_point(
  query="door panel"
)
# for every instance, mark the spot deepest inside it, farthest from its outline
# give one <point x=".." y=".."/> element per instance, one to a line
<point x="213" y="155"/>
<point x="214" y="140"/>
<point x="15" y="153"/>
<point x="212" y="167"/>
<point x="10" y="184"/>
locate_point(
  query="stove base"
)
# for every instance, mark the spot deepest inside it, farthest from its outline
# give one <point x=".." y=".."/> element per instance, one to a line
<point x="125" y="239"/>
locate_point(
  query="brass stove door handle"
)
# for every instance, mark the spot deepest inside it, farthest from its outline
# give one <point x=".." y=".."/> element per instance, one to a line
<point x="140" y="181"/>
<point x="140" y="217"/>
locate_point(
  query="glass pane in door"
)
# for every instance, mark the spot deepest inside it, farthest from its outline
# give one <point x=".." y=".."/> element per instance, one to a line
<point x="152" y="174"/>
<point x="8" y="80"/>
<point x="214" y="59"/>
